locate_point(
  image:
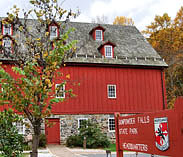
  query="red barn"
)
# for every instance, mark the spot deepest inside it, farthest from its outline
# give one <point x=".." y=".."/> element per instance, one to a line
<point x="118" y="71"/>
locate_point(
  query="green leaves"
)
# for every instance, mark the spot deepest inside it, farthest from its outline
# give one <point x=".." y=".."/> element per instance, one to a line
<point x="11" y="143"/>
<point x="28" y="84"/>
<point x="18" y="70"/>
<point x="93" y="134"/>
<point x="56" y="100"/>
<point x="165" y="35"/>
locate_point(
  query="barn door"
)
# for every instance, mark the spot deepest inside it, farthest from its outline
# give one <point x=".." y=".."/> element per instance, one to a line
<point x="53" y="132"/>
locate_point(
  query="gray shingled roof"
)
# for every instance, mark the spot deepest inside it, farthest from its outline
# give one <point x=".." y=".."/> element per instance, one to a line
<point x="131" y="47"/>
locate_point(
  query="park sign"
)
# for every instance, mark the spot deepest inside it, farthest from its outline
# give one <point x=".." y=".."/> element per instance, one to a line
<point x="159" y="133"/>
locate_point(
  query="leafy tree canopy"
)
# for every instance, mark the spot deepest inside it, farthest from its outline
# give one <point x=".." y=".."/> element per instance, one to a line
<point x="28" y="86"/>
<point x="166" y="36"/>
<point x="122" y="20"/>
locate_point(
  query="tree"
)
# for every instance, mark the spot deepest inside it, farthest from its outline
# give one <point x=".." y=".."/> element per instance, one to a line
<point x="11" y="142"/>
<point x="100" y="19"/>
<point x="166" y="36"/>
<point x="122" y="20"/>
<point x="36" y="59"/>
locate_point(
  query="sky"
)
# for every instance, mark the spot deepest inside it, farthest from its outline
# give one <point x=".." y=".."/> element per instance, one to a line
<point x="141" y="11"/>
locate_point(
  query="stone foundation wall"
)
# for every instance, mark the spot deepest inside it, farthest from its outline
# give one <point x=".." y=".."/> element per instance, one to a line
<point x="69" y="125"/>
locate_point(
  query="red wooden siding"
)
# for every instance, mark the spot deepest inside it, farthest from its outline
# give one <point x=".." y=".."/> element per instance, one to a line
<point x="138" y="90"/>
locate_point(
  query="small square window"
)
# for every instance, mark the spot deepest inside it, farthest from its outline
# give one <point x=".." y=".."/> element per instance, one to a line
<point x="60" y="91"/>
<point x="53" y="32"/>
<point x="111" y="124"/>
<point x="21" y="128"/>
<point x="111" y="89"/>
<point x="108" y="51"/>
<point x="7" y="42"/>
<point x="80" y="122"/>
<point x="7" y="29"/>
<point x="98" y="34"/>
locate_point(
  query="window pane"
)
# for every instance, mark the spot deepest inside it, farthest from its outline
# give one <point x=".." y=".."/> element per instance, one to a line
<point x="98" y="34"/>
<point x="7" y="44"/>
<point x="81" y="121"/>
<point x="111" y="124"/>
<point x="20" y="127"/>
<point x="108" y="51"/>
<point x="111" y="91"/>
<point x="7" y="29"/>
<point x="60" y="91"/>
<point x="53" y="32"/>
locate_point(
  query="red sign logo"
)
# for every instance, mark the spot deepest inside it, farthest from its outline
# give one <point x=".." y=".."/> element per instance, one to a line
<point x="161" y="133"/>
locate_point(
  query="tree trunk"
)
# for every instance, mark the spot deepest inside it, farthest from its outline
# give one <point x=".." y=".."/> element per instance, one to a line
<point x="36" y="135"/>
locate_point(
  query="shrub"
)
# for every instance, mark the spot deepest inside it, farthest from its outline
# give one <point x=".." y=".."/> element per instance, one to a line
<point x="74" y="140"/>
<point x="26" y="146"/>
<point x="94" y="136"/>
<point x="42" y="141"/>
<point x="11" y="143"/>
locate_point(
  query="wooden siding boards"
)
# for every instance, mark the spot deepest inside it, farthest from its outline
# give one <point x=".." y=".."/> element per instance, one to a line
<point x="138" y="90"/>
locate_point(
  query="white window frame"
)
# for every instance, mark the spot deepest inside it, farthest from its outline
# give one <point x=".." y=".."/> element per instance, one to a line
<point x="106" y="47"/>
<point x="109" y="127"/>
<point x="108" y="91"/>
<point x="7" y="30"/>
<point x="61" y="90"/>
<point x="55" y="35"/>
<point x="79" y="119"/>
<point x="9" y="45"/>
<point x="97" y="37"/>
<point x="21" y="128"/>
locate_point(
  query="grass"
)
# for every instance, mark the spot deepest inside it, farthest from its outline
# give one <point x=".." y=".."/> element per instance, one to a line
<point x="112" y="147"/>
<point x="23" y="155"/>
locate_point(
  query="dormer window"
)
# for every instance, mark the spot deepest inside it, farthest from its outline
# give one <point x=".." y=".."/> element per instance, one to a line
<point x="99" y="35"/>
<point x="7" y="44"/>
<point x="53" y="30"/>
<point x="108" y="51"/>
<point x="7" y="29"/>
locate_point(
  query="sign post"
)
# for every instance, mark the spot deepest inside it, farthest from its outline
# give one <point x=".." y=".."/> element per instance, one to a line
<point x="119" y="152"/>
<point x="159" y="133"/>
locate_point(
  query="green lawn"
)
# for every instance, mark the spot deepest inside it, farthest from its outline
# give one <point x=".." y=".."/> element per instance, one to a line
<point x="24" y="155"/>
<point x="112" y="147"/>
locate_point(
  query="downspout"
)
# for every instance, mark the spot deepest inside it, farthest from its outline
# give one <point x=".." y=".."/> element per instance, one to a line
<point x="163" y="88"/>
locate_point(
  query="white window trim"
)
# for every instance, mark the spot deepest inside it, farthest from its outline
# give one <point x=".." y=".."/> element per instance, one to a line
<point x="81" y="119"/>
<point x="106" y="46"/>
<point x="10" y="31"/>
<point x="108" y="91"/>
<point x="52" y="37"/>
<point x="109" y="127"/>
<point x="101" y="33"/>
<point x="10" y="47"/>
<point x="23" y="125"/>
<point x="63" y="91"/>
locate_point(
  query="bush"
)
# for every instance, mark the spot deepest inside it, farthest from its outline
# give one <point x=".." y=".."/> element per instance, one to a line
<point x="26" y="146"/>
<point x="73" y="141"/>
<point x="94" y="137"/>
<point x="11" y="143"/>
<point x="42" y="141"/>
